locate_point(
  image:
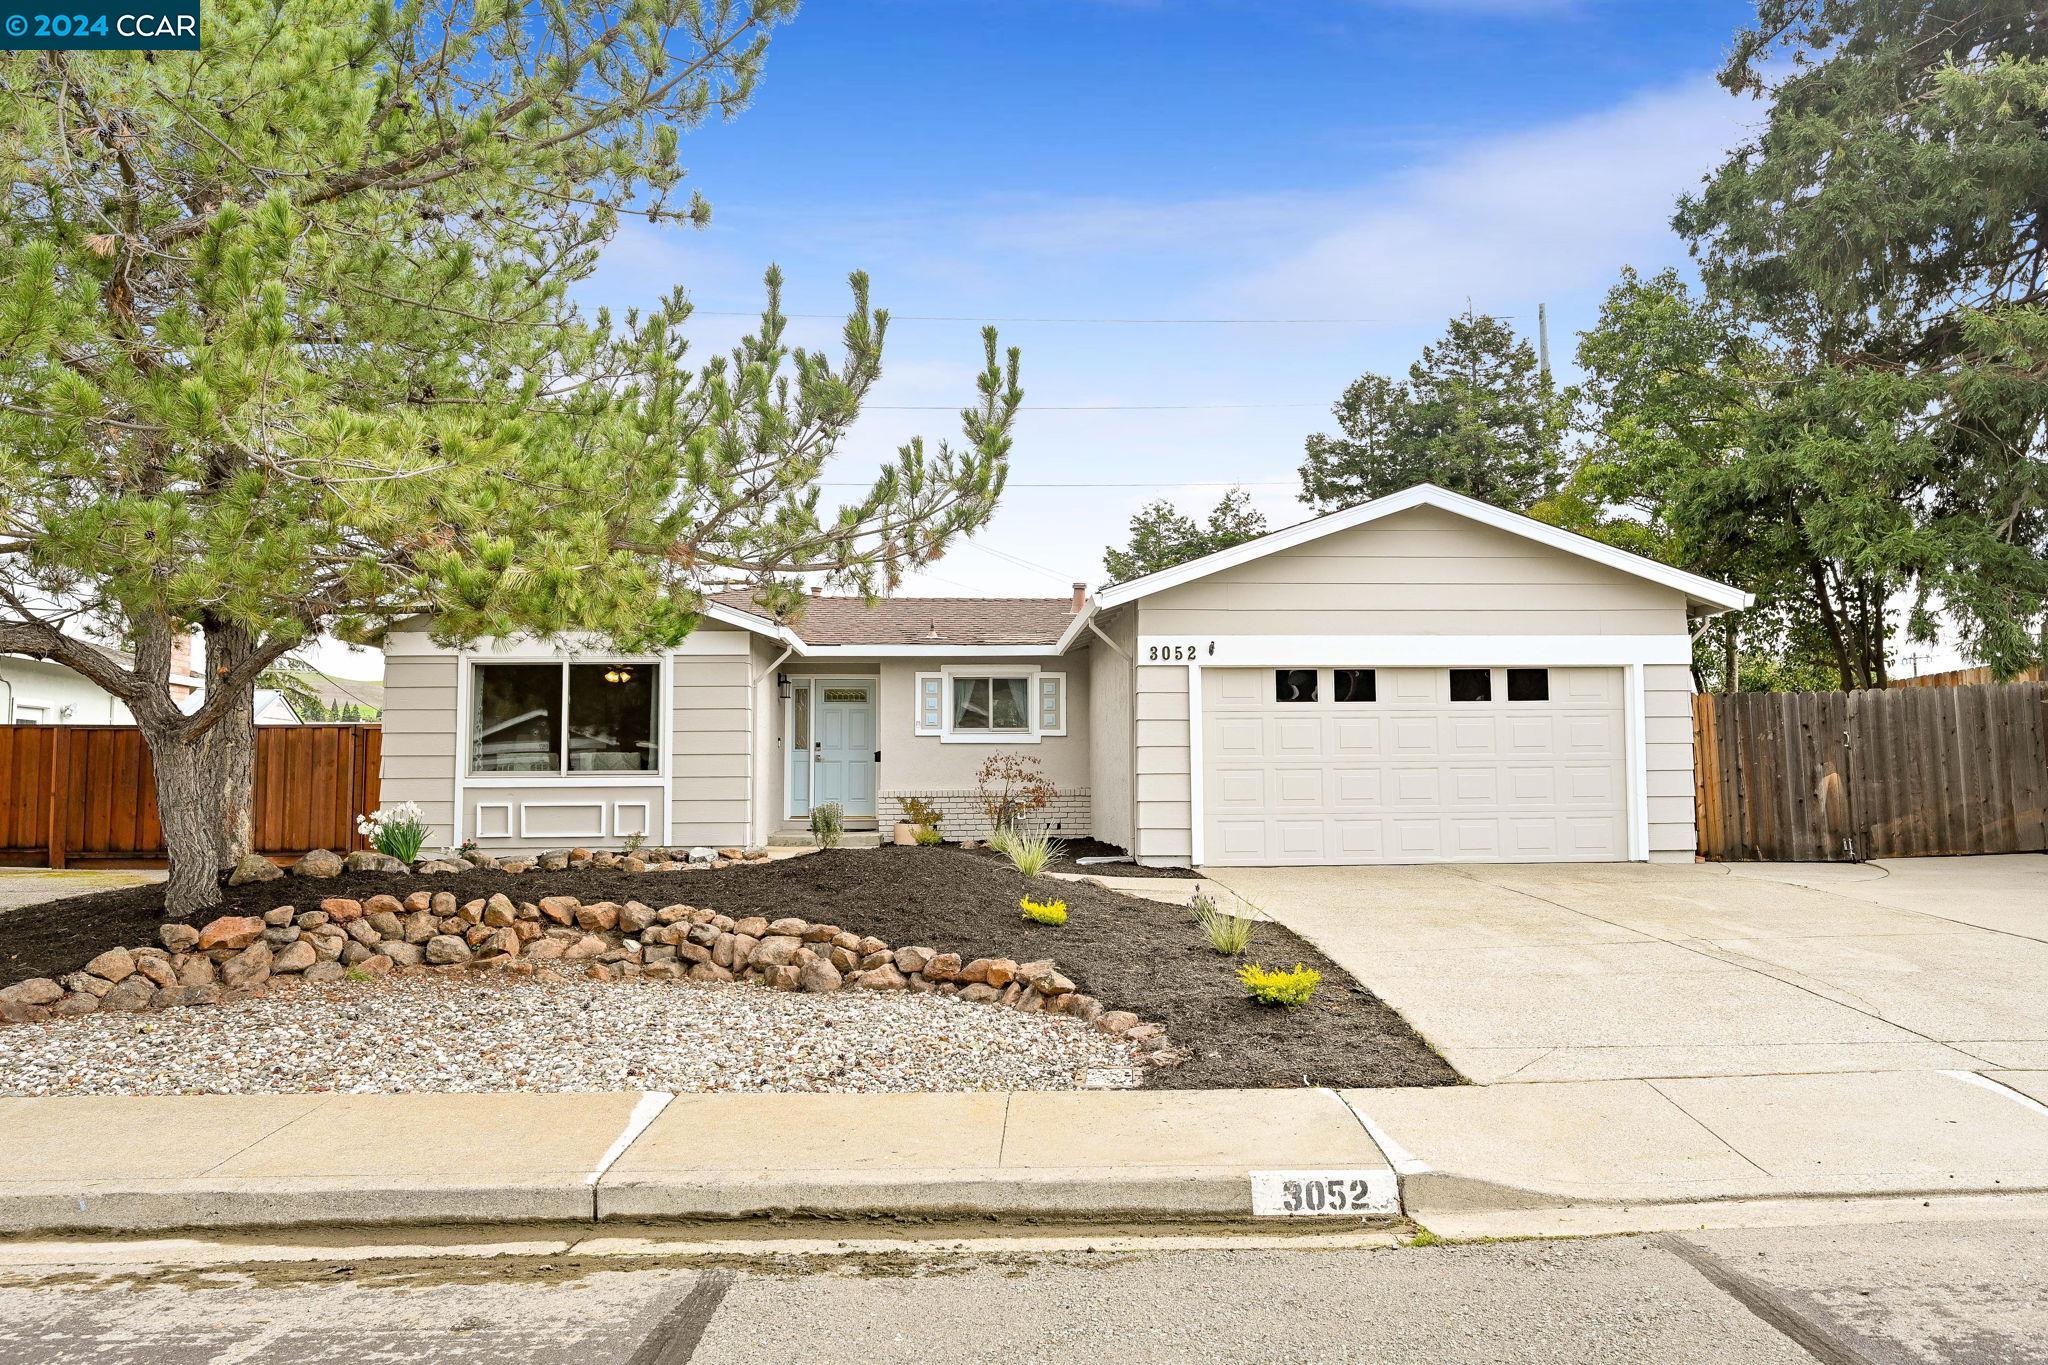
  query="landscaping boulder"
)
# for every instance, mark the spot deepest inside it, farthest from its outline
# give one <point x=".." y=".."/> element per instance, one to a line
<point x="231" y="931"/>
<point x="383" y="905"/>
<point x="115" y="965"/>
<point x="135" y="993"/>
<point x="942" y="967"/>
<point x="560" y="909"/>
<point x="294" y="957"/>
<point x="445" y="949"/>
<point x="401" y="954"/>
<point x="792" y="927"/>
<point x="703" y="855"/>
<point x="254" y="867"/>
<point x="179" y="938"/>
<point x="326" y="971"/>
<point x="196" y="971"/>
<point x="882" y="978"/>
<point x="601" y="917"/>
<point x="634" y="917"/>
<point x="370" y="860"/>
<point x="318" y="863"/>
<point x="37" y="990"/>
<point x="910" y="960"/>
<point x="341" y="909"/>
<point x="776" y="950"/>
<point x="818" y="977"/>
<point x="585" y="948"/>
<point x="250" y="967"/>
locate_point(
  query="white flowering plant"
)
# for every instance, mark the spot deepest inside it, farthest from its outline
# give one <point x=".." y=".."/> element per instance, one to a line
<point x="397" y="831"/>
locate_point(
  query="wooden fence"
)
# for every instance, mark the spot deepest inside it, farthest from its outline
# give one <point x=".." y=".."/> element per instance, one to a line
<point x="1845" y="776"/>
<point x="86" y="794"/>
<point x="1962" y="677"/>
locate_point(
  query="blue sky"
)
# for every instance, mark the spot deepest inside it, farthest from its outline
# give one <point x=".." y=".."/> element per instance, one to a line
<point x="1377" y="164"/>
<point x="1380" y="162"/>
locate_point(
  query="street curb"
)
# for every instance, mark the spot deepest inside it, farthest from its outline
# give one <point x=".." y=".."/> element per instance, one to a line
<point x="231" y="1204"/>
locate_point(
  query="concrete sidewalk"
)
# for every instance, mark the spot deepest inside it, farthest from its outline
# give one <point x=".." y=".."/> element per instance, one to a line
<point x="1465" y="1153"/>
<point x="216" y="1162"/>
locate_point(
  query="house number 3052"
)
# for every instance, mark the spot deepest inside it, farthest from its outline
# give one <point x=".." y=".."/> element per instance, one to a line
<point x="1175" y="654"/>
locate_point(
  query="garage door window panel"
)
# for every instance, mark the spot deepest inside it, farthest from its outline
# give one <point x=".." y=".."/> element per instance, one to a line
<point x="1528" y="684"/>
<point x="1471" y="684"/>
<point x="1355" y="685"/>
<point x="1294" y="684"/>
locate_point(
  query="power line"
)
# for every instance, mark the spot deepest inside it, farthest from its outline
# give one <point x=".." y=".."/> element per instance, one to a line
<point x="1083" y="483"/>
<point x="1019" y="561"/>
<point x="1095" y="407"/>
<point x="1073" y="321"/>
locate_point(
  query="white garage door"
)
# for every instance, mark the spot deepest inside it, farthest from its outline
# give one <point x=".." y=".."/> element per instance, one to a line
<point x="1413" y="765"/>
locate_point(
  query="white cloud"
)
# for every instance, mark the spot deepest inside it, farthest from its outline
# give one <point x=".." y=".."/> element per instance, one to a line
<point x="1546" y="211"/>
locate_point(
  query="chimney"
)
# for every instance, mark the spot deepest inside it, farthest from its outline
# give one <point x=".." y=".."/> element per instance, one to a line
<point x="181" y="665"/>
<point x="817" y="589"/>
<point x="1080" y="598"/>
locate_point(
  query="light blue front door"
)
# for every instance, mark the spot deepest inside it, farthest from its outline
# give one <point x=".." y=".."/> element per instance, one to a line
<point x="843" y="767"/>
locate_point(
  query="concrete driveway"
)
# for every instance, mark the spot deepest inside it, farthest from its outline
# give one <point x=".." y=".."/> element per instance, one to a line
<point x="1573" y="972"/>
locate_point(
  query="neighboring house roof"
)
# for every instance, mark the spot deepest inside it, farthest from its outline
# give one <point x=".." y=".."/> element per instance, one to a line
<point x="838" y="622"/>
<point x="1703" y="591"/>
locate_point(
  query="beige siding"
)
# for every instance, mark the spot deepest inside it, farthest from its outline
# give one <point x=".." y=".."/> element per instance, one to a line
<point x="420" y="729"/>
<point x="1420" y="572"/>
<point x="1668" y="756"/>
<point x="712" y="786"/>
<point x="1110" y="706"/>
<point x="1161" y="805"/>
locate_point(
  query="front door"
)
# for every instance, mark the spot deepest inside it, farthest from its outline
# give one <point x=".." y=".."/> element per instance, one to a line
<point x="844" y="751"/>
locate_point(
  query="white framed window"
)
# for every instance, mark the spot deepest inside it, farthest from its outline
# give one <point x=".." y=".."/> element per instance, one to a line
<point x="983" y="704"/>
<point x="565" y="718"/>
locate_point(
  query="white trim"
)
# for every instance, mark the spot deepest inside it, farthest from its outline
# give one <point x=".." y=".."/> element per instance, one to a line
<point x="646" y="829"/>
<point x="1700" y="589"/>
<point x="481" y="807"/>
<point x="917" y="721"/>
<point x="1413" y="651"/>
<point x="625" y="779"/>
<point x="1638" y="764"/>
<point x="1084" y="619"/>
<point x="1045" y="651"/>
<point x="1030" y="734"/>
<point x="746" y="620"/>
<point x="1195" y="849"/>
<point x="1038" y="697"/>
<point x="598" y="806"/>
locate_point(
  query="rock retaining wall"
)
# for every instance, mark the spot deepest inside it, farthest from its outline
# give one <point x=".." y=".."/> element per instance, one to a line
<point x="430" y="931"/>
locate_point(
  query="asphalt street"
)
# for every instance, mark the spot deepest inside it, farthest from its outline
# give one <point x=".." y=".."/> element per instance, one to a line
<point x="1949" y="1292"/>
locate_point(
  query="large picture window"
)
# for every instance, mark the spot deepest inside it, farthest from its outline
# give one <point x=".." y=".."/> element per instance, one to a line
<point x="992" y="705"/>
<point x="566" y="718"/>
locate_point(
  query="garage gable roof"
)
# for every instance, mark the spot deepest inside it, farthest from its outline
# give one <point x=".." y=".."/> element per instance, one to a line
<point x="1697" y="588"/>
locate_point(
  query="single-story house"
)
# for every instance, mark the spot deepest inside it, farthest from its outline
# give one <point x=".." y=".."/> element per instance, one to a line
<point x="1421" y="678"/>
<point x="41" y="692"/>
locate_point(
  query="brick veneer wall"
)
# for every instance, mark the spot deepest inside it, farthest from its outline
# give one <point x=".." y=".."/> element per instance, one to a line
<point x="1070" y="814"/>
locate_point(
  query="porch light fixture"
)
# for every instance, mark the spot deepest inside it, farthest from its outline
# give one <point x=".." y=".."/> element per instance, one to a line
<point x="618" y="673"/>
<point x="782" y="686"/>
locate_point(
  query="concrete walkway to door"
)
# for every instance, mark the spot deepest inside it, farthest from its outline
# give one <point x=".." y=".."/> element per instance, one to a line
<point x="1603" y="971"/>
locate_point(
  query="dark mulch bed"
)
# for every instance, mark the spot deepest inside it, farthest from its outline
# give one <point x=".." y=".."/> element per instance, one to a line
<point x="1073" y="850"/>
<point x="1129" y="953"/>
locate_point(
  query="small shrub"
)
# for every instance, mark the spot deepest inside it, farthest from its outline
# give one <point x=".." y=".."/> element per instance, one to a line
<point x="828" y="822"/>
<point x="633" y="842"/>
<point x="1227" y="933"/>
<point x="1012" y="786"/>
<point x="1277" y="986"/>
<point x="928" y="835"/>
<point x="921" y="812"/>
<point x="1048" y="912"/>
<point x="1028" y="853"/>
<point x="355" y="974"/>
<point x="397" y="831"/>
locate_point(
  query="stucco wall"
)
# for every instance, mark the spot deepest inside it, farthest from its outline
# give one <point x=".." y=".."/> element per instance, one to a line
<point x="1110" y="704"/>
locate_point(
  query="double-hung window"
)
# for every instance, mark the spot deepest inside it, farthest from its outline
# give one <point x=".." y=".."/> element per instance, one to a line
<point x="566" y="718"/>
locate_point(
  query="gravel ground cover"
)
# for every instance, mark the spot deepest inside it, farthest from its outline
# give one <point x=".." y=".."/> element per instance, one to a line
<point x="474" y="1034"/>
<point x="1129" y="953"/>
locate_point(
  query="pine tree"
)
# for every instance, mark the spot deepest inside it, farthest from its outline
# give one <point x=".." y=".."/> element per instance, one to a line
<point x="287" y="346"/>
<point x="1477" y="415"/>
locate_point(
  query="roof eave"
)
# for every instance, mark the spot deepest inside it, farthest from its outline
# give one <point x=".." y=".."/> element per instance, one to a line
<point x="1706" y="591"/>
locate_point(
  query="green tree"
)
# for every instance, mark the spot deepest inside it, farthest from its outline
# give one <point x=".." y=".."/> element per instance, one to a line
<point x="287" y="345"/>
<point x="1163" y="536"/>
<point x="1717" y="449"/>
<point x="1477" y="415"/>
<point x="1890" y="221"/>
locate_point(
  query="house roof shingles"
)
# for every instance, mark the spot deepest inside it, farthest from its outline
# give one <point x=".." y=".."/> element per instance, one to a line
<point x="925" y="620"/>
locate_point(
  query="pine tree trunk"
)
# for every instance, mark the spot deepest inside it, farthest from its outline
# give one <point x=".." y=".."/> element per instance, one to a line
<point x="188" y="791"/>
